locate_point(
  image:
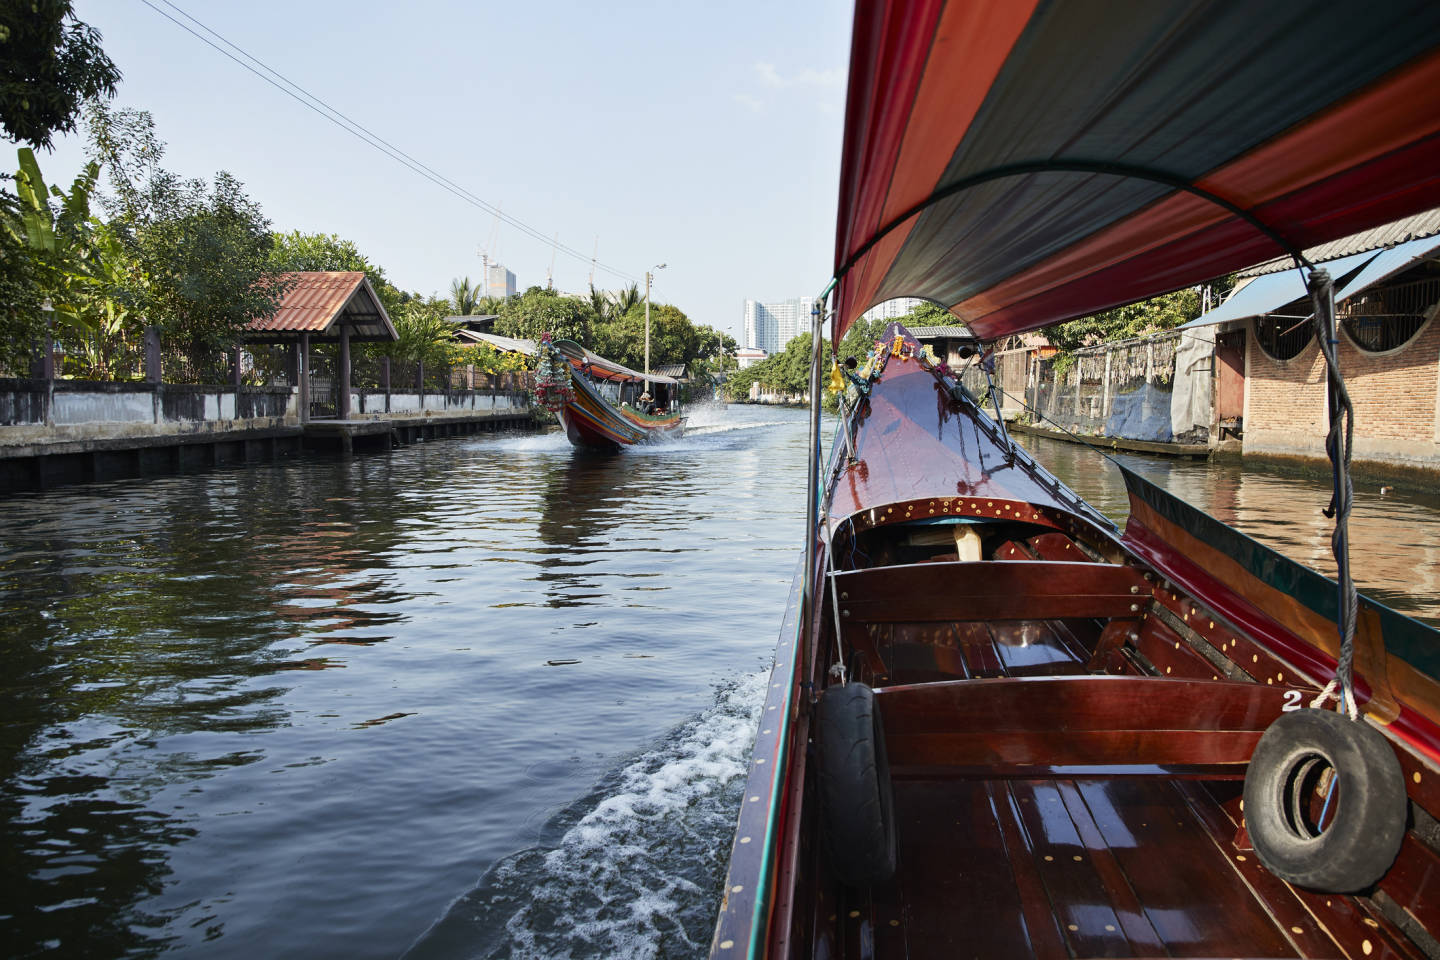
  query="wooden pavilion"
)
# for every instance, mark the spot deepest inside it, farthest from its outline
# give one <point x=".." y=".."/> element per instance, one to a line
<point x="325" y="307"/>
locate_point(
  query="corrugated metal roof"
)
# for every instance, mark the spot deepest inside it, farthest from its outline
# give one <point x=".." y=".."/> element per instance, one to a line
<point x="319" y="302"/>
<point x="676" y="370"/>
<point x="936" y="333"/>
<point x="1425" y="224"/>
<point x="508" y="344"/>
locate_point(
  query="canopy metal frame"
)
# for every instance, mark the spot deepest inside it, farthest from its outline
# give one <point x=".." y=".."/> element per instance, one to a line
<point x="1321" y="289"/>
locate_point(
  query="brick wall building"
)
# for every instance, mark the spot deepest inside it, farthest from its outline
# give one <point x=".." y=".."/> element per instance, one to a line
<point x="1396" y="393"/>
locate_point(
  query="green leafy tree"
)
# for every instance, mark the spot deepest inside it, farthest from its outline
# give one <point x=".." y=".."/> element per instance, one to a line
<point x="464" y="296"/>
<point x="296" y="251"/>
<point x="602" y="304"/>
<point x="627" y="299"/>
<point x="673" y="338"/>
<point x="65" y="257"/>
<point x="540" y="310"/>
<point x="50" y="63"/>
<point x="925" y="315"/>
<point x="1123" y="323"/>
<point x="425" y="336"/>
<point x="785" y="372"/>
<point x="205" y="253"/>
<point x="125" y="145"/>
<point x="22" y="322"/>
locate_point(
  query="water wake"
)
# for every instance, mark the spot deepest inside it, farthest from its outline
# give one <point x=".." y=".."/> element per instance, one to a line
<point x="638" y="865"/>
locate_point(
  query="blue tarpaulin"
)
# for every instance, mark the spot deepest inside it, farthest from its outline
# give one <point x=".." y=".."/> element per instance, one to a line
<point x="1140" y="414"/>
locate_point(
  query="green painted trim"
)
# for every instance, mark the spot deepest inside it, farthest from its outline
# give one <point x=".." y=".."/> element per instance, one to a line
<point x="759" y="925"/>
<point x="1409" y="639"/>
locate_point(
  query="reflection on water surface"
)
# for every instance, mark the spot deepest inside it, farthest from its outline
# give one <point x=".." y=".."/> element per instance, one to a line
<point x="252" y="711"/>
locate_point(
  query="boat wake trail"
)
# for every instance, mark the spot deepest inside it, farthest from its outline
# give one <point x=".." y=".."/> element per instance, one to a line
<point x="638" y="864"/>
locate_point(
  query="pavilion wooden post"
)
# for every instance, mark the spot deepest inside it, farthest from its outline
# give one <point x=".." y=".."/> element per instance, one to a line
<point x="45" y="367"/>
<point x="304" y="378"/>
<point x="343" y="407"/>
<point x="152" y="354"/>
<point x="385" y="380"/>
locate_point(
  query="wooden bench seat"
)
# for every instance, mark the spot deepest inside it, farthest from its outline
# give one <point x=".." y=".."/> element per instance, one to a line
<point x="990" y="590"/>
<point x="1037" y="726"/>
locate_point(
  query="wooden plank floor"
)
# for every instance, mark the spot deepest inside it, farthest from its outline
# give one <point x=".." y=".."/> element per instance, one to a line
<point x="1124" y="867"/>
<point x="1059" y="869"/>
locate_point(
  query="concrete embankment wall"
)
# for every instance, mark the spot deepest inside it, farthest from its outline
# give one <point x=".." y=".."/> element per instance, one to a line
<point x="38" y="416"/>
<point x="65" y="431"/>
<point x="370" y="403"/>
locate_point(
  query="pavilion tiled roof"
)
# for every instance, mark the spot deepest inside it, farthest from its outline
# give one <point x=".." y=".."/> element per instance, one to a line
<point x="319" y="302"/>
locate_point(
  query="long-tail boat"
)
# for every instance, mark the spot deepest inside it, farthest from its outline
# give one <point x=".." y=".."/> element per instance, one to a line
<point x="604" y="405"/>
<point x="997" y="725"/>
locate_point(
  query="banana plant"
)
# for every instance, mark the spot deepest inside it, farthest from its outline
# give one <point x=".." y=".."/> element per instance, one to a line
<point x="80" y="259"/>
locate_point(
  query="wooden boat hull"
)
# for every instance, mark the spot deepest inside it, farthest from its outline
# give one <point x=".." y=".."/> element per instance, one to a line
<point x="1069" y="719"/>
<point x="592" y="422"/>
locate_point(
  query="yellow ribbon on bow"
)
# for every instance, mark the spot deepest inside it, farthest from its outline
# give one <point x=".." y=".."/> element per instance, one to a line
<point x="837" y="380"/>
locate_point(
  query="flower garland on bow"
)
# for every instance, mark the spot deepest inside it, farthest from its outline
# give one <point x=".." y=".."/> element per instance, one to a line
<point x="552" y="377"/>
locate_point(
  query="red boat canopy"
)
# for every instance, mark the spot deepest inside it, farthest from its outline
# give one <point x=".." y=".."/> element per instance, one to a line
<point x="1024" y="163"/>
<point x="602" y="369"/>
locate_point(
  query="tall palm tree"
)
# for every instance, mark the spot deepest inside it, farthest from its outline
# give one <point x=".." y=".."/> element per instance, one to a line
<point x="464" y="296"/>
<point x="627" y="298"/>
<point x="602" y="303"/>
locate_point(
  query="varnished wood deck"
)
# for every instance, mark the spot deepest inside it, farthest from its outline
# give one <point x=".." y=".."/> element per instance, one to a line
<point x="1125" y="866"/>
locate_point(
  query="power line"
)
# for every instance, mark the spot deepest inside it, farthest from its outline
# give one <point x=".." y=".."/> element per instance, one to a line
<point x="302" y="96"/>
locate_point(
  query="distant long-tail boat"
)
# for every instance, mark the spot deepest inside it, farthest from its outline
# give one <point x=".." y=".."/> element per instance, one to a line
<point x="604" y="405"/>
<point x="997" y="725"/>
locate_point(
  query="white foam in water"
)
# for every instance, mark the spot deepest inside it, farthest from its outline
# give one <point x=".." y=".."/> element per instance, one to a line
<point x="553" y="441"/>
<point x="639" y="873"/>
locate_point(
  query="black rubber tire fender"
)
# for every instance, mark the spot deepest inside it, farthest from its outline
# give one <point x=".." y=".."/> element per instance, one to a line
<point x="1368" y="819"/>
<point x="856" y="803"/>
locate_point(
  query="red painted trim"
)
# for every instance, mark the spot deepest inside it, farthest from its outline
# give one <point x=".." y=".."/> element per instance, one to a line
<point x="1414" y="730"/>
<point x="1346" y="204"/>
<point x="1362" y="161"/>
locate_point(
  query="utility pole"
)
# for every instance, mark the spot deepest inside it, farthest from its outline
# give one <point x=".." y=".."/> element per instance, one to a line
<point x="648" y="275"/>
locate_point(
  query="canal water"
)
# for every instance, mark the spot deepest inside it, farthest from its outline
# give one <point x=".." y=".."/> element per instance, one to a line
<point x="472" y="698"/>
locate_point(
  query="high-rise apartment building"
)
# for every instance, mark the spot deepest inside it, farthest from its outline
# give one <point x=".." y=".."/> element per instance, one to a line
<point x="892" y="309"/>
<point x="771" y="325"/>
<point x="500" y="283"/>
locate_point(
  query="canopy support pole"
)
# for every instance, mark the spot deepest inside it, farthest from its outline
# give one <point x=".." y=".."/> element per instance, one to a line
<point x="812" y="476"/>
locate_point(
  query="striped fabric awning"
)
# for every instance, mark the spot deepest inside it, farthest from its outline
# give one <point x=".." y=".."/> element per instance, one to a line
<point x="1027" y="162"/>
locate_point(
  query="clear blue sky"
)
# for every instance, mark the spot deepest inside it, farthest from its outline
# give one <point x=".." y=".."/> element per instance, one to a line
<point x="702" y="135"/>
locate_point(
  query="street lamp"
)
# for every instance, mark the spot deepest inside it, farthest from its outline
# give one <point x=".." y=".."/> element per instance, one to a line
<point x="648" y="275"/>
